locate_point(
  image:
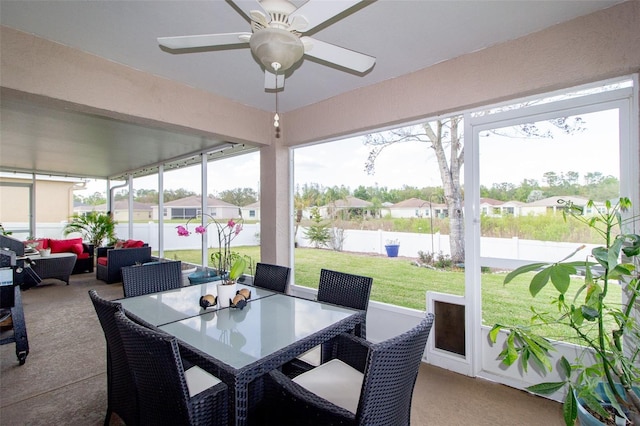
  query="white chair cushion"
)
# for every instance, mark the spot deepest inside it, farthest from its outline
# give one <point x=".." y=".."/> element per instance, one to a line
<point x="334" y="381"/>
<point x="199" y="380"/>
<point x="312" y="356"/>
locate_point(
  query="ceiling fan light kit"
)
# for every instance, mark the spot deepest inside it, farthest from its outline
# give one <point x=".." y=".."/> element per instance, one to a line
<point x="273" y="45"/>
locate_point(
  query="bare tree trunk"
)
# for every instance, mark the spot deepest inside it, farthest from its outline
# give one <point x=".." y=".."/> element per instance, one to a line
<point x="450" y="174"/>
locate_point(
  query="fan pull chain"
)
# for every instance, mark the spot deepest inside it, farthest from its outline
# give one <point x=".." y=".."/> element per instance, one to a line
<point x="276" y="118"/>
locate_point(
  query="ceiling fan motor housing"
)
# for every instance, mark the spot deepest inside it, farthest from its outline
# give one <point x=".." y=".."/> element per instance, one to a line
<point x="271" y="45"/>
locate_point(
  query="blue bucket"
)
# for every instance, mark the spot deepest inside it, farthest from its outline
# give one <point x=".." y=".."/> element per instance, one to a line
<point x="392" y="250"/>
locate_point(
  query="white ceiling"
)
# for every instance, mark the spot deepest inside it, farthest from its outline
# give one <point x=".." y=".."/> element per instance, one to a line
<point x="404" y="36"/>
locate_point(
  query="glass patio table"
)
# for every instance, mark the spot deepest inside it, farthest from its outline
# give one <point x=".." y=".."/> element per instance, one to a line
<point x="168" y="306"/>
<point x="240" y="346"/>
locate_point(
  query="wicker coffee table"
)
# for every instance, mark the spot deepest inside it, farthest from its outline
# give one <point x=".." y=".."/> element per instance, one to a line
<point x="55" y="266"/>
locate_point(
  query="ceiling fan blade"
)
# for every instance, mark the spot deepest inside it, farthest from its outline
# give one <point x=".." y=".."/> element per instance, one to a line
<point x="318" y="11"/>
<point x="337" y="55"/>
<point x="270" y="81"/>
<point x="246" y="6"/>
<point x="204" y="40"/>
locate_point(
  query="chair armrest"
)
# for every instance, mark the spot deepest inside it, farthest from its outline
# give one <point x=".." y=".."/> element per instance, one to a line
<point x="351" y="350"/>
<point x="295" y="401"/>
<point x="102" y="251"/>
<point x="88" y="248"/>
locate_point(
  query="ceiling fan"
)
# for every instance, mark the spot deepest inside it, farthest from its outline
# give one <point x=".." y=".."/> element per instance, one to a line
<point x="277" y="39"/>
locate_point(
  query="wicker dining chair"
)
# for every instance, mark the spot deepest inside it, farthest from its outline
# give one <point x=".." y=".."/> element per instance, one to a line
<point x="121" y="389"/>
<point x="151" y="278"/>
<point x="338" y="288"/>
<point x="166" y="392"/>
<point x="366" y="384"/>
<point x="348" y="290"/>
<point x="272" y="277"/>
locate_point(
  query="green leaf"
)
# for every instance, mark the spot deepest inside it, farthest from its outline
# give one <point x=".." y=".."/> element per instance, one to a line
<point x="601" y="254"/>
<point x="539" y="281"/>
<point x="589" y="313"/>
<point x="570" y="408"/>
<point x="539" y="353"/>
<point x="560" y="275"/>
<point x="594" y="404"/>
<point x="524" y="360"/>
<point x="612" y="399"/>
<point x="576" y="316"/>
<point x="237" y="269"/>
<point x="542" y="342"/>
<point x="493" y="334"/>
<point x="522" y="270"/>
<point x="633" y="249"/>
<point x="512" y="354"/>
<point x="621" y="270"/>
<point x="565" y="367"/>
<point x="546" y="388"/>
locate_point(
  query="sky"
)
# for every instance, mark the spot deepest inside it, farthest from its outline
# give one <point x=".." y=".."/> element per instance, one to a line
<point x="413" y="164"/>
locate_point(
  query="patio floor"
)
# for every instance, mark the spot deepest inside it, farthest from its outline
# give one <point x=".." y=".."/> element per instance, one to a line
<point x="64" y="378"/>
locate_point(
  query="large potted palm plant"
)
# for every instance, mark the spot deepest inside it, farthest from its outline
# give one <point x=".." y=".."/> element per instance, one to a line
<point x="605" y="387"/>
<point x="95" y="227"/>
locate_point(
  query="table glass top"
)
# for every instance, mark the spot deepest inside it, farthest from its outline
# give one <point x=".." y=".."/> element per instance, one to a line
<point x="240" y="337"/>
<point x="174" y="305"/>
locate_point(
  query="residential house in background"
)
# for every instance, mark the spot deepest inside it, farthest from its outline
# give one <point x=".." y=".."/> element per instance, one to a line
<point x="496" y="208"/>
<point x="346" y="208"/>
<point x="120" y="210"/>
<point x="415" y="207"/>
<point x="251" y="211"/>
<point x="552" y="205"/>
<point x="188" y="207"/>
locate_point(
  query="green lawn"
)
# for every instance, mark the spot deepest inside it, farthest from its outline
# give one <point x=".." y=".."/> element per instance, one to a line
<point x="397" y="281"/>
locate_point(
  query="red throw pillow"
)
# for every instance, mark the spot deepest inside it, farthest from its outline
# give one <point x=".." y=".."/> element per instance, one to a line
<point x="77" y="249"/>
<point x="64" y="246"/>
<point x="133" y="244"/>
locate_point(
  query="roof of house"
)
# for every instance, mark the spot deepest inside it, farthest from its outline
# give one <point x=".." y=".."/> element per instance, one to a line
<point x="410" y="203"/>
<point x="491" y="201"/>
<point x="350" y="201"/>
<point x="117" y="205"/>
<point x="196" y="201"/>
<point x="255" y="205"/>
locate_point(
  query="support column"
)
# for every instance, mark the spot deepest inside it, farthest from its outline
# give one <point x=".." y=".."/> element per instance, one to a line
<point x="276" y="210"/>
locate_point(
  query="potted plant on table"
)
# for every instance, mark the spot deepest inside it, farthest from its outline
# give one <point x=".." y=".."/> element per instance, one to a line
<point x="229" y="265"/>
<point x="606" y="387"/>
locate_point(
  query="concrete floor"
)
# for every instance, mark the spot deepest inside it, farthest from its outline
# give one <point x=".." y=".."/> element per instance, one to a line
<point x="63" y="381"/>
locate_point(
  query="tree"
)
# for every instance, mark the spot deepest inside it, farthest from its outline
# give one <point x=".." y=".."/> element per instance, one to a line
<point x="239" y="196"/>
<point x="593" y="178"/>
<point x="551" y="178"/>
<point x="176" y="194"/>
<point x="95" y="199"/>
<point x="445" y="138"/>
<point x="147" y="196"/>
<point x="301" y="201"/>
<point x="318" y="231"/>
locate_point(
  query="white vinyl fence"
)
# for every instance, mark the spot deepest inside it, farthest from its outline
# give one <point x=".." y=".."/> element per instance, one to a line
<point x="354" y="241"/>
